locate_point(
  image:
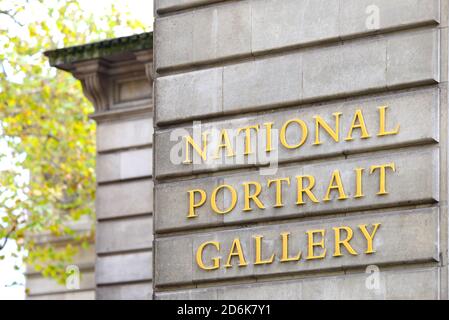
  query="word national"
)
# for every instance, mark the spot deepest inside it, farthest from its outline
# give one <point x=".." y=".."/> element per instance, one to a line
<point x="290" y="135"/>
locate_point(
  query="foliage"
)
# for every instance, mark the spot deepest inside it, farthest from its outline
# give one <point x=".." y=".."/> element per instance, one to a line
<point x="44" y="123"/>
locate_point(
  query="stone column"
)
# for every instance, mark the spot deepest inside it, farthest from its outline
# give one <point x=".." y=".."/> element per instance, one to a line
<point x="347" y="101"/>
<point x="115" y="78"/>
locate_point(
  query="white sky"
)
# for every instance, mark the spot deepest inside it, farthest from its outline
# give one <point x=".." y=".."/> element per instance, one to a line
<point x="12" y="282"/>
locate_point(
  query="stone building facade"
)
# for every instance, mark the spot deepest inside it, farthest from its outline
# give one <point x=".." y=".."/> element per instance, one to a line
<point x="347" y="100"/>
<point x="116" y="78"/>
<point x="300" y="151"/>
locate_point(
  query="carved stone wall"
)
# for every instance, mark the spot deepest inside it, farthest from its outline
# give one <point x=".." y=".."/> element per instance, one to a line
<point x="115" y="78"/>
<point x="327" y="93"/>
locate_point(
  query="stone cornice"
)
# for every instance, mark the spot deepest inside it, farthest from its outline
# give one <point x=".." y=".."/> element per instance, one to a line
<point x="63" y="58"/>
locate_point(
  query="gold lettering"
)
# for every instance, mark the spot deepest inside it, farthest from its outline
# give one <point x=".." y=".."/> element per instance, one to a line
<point x="225" y="143"/>
<point x="311" y="244"/>
<point x="358" y="183"/>
<point x="382" y="124"/>
<point x="369" y="237"/>
<point x="358" y="123"/>
<point x="190" y="142"/>
<point x="192" y="204"/>
<point x="254" y="197"/>
<point x="278" y="182"/>
<point x="247" y="131"/>
<point x="336" y="184"/>
<point x="307" y="190"/>
<point x="345" y="242"/>
<point x="259" y="260"/>
<point x="285" y="255"/>
<point x="236" y="251"/>
<point x="268" y="129"/>
<point x="382" y="176"/>
<point x="214" y="199"/>
<point x="334" y="134"/>
<point x="199" y="256"/>
<point x="283" y="134"/>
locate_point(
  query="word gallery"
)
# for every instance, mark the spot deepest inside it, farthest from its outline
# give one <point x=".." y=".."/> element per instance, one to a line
<point x="315" y="247"/>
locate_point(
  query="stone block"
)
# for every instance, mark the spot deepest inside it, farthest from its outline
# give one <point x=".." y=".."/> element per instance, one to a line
<point x="125" y="165"/>
<point x="402" y="237"/>
<point x="403" y="109"/>
<point x="358" y="16"/>
<point x="408" y="284"/>
<point x="414" y="181"/>
<point x="287" y="23"/>
<point x="172" y="5"/>
<point x="122" y="235"/>
<point x="124" y="268"/>
<point x="232" y="29"/>
<point x="350" y="68"/>
<point x="124" y="199"/>
<point x="171" y="205"/>
<point x="38" y="285"/>
<point x="174" y="261"/>
<point x="75" y="295"/>
<point x="171" y="47"/>
<point x="266" y="82"/>
<point x="137" y="291"/>
<point x="169" y="155"/>
<point x="124" y="134"/>
<point x="208" y="34"/>
<point x="190" y="95"/>
<point x="221" y="32"/>
<point x="413" y="58"/>
<point x="344" y="69"/>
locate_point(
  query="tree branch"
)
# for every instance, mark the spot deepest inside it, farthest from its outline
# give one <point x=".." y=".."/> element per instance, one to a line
<point x="7" y="236"/>
<point x="11" y="16"/>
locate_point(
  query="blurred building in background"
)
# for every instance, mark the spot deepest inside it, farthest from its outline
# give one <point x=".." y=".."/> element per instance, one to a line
<point x="116" y="78"/>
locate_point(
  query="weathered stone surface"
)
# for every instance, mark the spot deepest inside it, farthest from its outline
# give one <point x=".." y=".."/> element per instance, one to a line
<point x="404" y="108"/>
<point x="413" y="58"/>
<point x="166" y="38"/>
<point x="341" y="70"/>
<point x="415" y="180"/>
<point x="124" y="134"/>
<point x="197" y="93"/>
<point x="420" y="284"/>
<point x="78" y="295"/>
<point x="174" y="261"/>
<point x="123" y="235"/>
<point x="124" y="199"/>
<point x="297" y="59"/>
<point x="40" y="285"/>
<point x="124" y="165"/>
<point x="137" y="291"/>
<point x="171" y="206"/>
<point x="262" y="82"/>
<point x="285" y="23"/>
<point x="193" y="294"/>
<point x="124" y="268"/>
<point x="356" y="15"/>
<point x="168" y="5"/>
<point x="403" y="237"/>
<point x="245" y="27"/>
<point x="208" y="34"/>
<point x="169" y="157"/>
